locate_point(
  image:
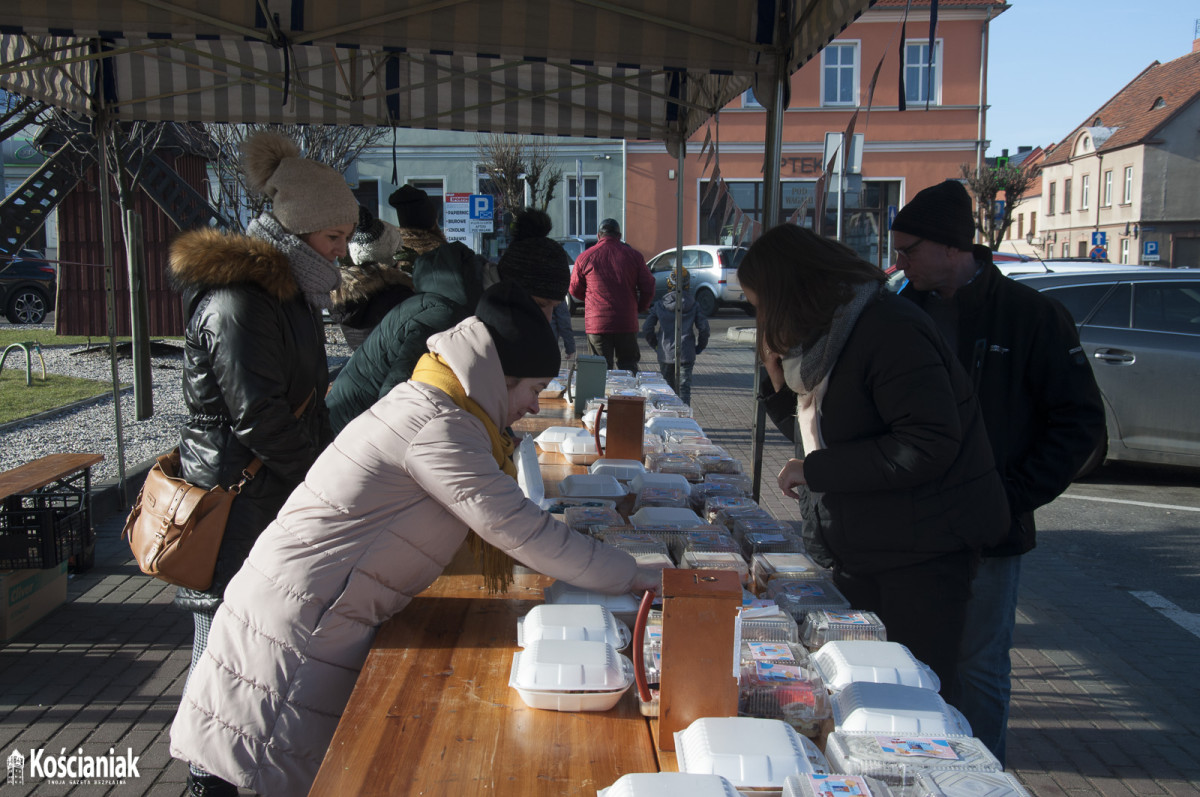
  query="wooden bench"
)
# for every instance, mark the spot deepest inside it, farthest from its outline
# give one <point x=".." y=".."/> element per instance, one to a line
<point x="45" y="512"/>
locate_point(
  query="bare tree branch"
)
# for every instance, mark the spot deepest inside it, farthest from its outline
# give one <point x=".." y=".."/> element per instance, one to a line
<point x="987" y="184"/>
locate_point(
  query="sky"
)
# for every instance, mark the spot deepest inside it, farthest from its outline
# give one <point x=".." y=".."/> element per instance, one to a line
<point x="1052" y="63"/>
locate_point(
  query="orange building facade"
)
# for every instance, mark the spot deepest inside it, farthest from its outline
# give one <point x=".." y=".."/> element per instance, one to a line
<point x="902" y="151"/>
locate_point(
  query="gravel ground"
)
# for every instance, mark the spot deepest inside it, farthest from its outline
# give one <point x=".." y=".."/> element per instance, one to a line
<point x="92" y="427"/>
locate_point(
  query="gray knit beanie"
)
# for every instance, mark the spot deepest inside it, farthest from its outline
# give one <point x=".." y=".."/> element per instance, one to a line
<point x="306" y="196"/>
<point x="541" y="266"/>
<point x="374" y="240"/>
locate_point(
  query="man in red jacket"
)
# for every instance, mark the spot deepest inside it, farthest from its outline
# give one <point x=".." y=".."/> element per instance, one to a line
<point x="612" y="281"/>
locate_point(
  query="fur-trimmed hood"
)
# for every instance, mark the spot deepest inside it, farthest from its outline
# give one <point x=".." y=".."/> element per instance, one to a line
<point x="209" y="258"/>
<point x="361" y="282"/>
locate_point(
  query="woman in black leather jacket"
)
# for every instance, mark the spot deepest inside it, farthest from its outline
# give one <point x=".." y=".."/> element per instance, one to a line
<point x="255" y="373"/>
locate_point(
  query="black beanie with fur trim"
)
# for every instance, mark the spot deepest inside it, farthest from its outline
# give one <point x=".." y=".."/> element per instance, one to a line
<point x="541" y="266"/>
<point x="523" y="336"/>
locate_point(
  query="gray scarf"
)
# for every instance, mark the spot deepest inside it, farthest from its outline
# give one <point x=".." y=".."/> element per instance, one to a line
<point x="315" y="275"/>
<point x="804" y="370"/>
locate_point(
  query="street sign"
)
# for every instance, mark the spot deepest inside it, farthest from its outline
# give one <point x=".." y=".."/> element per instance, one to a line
<point x="481" y="214"/>
<point x="1098" y="253"/>
<point x="1099" y="238"/>
<point x="998" y="210"/>
<point x="457" y="216"/>
<point x="1149" y="251"/>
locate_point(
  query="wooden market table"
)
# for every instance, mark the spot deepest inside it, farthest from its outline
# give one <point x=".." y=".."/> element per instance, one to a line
<point x="432" y="712"/>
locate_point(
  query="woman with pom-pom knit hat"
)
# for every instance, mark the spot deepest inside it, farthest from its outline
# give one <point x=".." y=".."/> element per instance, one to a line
<point x="255" y="374"/>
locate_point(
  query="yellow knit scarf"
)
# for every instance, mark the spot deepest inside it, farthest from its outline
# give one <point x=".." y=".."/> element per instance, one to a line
<point x="431" y="369"/>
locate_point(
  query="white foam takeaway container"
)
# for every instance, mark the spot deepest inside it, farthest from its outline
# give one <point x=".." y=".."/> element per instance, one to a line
<point x="669" y="784"/>
<point x="843" y="662"/>
<point x="551" y="438"/>
<point x="623" y="607"/>
<point x="570" y="675"/>
<point x="620" y="469"/>
<point x="750" y="752"/>
<point x="893" y="708"/>
<point x="587" y="485"/>
<point x="564" y="621"/>
<point x="669" y="480"/>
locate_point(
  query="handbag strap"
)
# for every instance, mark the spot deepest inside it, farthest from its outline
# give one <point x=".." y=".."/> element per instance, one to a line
<point x="251" y="470"/>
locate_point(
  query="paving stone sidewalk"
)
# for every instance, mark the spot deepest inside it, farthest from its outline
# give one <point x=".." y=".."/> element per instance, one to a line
<point x="1106" y="699"/>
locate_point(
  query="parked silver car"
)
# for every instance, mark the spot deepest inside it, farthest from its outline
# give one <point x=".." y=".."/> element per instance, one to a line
<point x="1140" y="329"/>
<point x="713" y="271"/>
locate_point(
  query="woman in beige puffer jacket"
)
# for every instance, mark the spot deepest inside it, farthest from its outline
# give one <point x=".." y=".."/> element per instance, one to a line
<point x="380" y="514"/>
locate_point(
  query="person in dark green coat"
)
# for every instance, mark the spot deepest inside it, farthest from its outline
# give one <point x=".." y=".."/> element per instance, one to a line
<point x="448" y="280"/>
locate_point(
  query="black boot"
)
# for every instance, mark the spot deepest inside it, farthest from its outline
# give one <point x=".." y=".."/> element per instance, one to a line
<point x="209" y="786"/>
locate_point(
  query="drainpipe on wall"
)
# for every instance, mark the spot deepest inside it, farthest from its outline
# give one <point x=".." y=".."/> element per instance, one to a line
<point x="983" y="58"/>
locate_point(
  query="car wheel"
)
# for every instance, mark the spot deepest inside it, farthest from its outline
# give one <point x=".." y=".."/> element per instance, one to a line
<point x="707" y="302"/>
<point x="1094" y="460"/>
<point x="27" y="306"/>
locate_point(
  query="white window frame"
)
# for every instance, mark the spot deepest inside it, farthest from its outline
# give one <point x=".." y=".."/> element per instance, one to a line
<point x="937" y="74"/>
<point x="1066" y="249"/>
<point x="750" y="101"/>
<point x="1128" y="192"/>
<point x="840" y="69"/>
<point x="1106" y="200"/>
<point x="1085" y="187"/>
<point x="1125" y="251"/>
<point x="572" y="214"/>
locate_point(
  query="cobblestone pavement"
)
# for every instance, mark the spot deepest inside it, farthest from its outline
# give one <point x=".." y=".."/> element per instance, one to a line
<point x="1105" y="702"/>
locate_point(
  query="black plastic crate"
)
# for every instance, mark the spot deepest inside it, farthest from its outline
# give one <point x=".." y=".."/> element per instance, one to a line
<point x="49" y="526"/>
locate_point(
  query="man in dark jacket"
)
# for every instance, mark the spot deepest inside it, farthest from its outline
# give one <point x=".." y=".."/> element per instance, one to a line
<point x="612" y="281"/>
<point x="1041" y="407"/>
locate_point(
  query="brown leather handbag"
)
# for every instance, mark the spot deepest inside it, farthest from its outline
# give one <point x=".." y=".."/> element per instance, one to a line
<point x="175" y="528"/>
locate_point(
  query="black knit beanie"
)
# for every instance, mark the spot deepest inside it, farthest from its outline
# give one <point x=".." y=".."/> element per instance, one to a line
<point x="942" y="214"/>
<point x="414" y="210"/>
<point x="541" y="266"/>
<point x="520" y="331"/>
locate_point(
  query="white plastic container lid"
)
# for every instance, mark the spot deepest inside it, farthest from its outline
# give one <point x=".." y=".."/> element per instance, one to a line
<point x="665" y="516"/>
<point x="948" y="783"/>
<point x="660" y="423"/>
<point x="560" y="592"/>
<point x="837" y="786"/>
<point x="570" y="665"/>
<point x="895" y="709"/>
<point x="552" y="437"/>
<point x="591" y="485"/>
<point x="896" y="758"/>
<point x="843" y="662"/>
<point x="580" y="444"/>
<point x="564" y="621"/>
<point x="671" y="481"/>
<point x="620" y="469"/>
<point x="748" y="751"/>
<point x="669" y="784"/>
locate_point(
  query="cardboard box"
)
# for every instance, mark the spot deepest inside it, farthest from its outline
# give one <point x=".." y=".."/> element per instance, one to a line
<point x="27" y="596"/>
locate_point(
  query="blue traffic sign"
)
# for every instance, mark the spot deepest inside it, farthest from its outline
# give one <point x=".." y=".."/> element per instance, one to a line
<point x="1099" y="238"/>
<point x="482" y="206"/>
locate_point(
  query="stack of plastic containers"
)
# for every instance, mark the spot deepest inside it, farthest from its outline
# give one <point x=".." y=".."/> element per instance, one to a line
<point x="777" y="682"/>
<point x="830" y="626"/>
<point x="900" y="760"/>
<point x="669" y="784"/>
<point x="751" y="753"/>
<point x="835" y="786"/>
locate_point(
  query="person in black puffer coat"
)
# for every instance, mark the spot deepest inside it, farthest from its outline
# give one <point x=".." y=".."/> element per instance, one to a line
<point x="897" y="485"/>
<point x="254" y="355"/>
<point x="373" y="283"/>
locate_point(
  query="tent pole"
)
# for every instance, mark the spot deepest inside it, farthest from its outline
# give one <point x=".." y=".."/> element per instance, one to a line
<point x="680" y="159"/>
<point x="772" y="153"/>
<point x="103" y="121"/>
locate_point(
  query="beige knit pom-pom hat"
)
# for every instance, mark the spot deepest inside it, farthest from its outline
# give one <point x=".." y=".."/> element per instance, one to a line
<point x="305" y="195"/>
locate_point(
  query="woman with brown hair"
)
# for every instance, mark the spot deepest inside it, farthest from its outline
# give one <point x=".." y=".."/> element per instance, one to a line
<point x="895" y="480"/>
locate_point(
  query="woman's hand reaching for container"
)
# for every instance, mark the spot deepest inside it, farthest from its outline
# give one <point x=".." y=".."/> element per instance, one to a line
<point x="792" y="476"/>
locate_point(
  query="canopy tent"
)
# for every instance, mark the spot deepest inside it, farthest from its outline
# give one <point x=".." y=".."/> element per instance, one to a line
<point x="630" y="69"/>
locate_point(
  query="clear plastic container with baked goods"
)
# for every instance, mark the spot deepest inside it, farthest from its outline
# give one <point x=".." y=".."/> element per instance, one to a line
<point x="786" y="690"/>
<point x="662" y="425"/>
<point x="742" y="525"/>
<point x="702" y="540"/>
<point x="670" y="462"/>
<point x="713" y="462"/>
<point x="634" y="542"/>
<point x="652" y="444"/>
<point x="713" y="504"/>
<point x="768" y="624"/>
<point x="715" y="560"/>
<point x="700" y="493"/>
<point x="585" y="518"/>
<point x="838" y="785"/>
<point x="742" y="481"/>
<point x="772" y="541"/>
<point x="823" y="625"/>
<point x="661" y="496"/>
<point x="766" y="567"/>
<point x="952" y="783"/>
<point x="897" y="759"/>
<point x="798" y="596"/>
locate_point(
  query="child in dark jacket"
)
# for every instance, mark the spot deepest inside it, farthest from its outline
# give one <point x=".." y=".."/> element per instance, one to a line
<point x="693" y="334"/>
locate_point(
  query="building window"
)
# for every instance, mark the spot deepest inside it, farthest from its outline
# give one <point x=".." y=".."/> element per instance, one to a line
<point x="1083" y="249"/>
<point x="591" y="206"/>
<point x="1128" y="198"/>
<point x="1053" y="199"/>
<point x="1020" y="226"/>
<point x="1066" y="196"/>
<point x="1125" y="251"/>
<point x="839" y="74"/>
<point x="1066" y="249"/>
<point x="1085" y="185"/>
<point x="750" y="101"/>
<point x="918" y="87"/>
<point x="1033" y="223"/>
<point x="1106" y="197"/>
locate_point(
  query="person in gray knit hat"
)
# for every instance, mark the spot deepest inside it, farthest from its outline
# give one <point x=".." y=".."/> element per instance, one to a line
<point x="373" y="283"/>
<point x="255" y="373"/>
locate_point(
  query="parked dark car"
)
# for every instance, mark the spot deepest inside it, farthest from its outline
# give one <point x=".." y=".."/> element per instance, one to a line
<point x="1140" y="329"/>
<point x="27" y="287"/>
